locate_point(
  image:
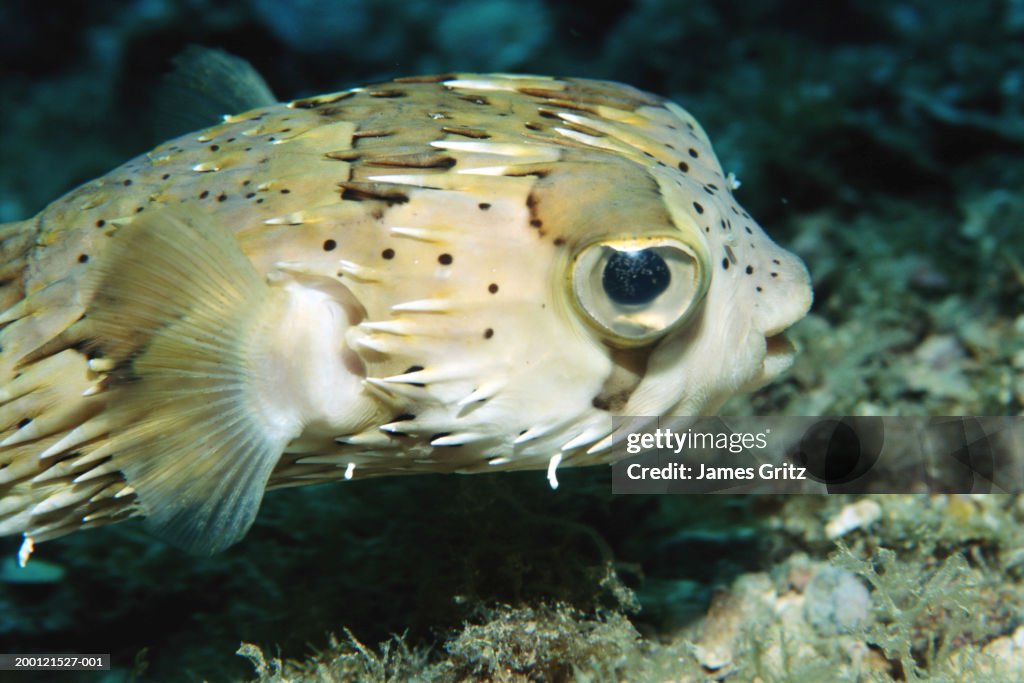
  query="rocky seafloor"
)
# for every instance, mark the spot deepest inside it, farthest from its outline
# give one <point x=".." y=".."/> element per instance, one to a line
<point x="881" y="141"/>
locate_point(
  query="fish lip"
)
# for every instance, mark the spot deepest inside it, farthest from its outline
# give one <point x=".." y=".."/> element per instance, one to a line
<point x="780" y="353"/>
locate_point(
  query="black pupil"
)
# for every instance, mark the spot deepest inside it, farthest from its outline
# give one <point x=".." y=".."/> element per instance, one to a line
<point x="635" y="277"/>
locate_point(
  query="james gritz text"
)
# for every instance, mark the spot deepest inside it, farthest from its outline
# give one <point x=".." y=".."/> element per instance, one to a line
<point x="679" y="472"/>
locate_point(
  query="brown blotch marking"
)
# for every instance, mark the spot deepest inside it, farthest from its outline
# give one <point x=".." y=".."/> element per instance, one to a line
<point x="531" y="205"/>
<point x="204" y="194"/>
<point x="492" y="288"/>
<point x="542" y="172"/>
<point x="592" y="132"/>
<point x="445" y="259"/>
<point x="315" y="102"/>
<point x="344" y="155"/>
<point x="436" y="78"/>
<point x="488" y="333"/>
<point x="385" y="192"/>
<point x="467" y="132"/>
<point x="416" y="160"/>
<point x="390" y="93"/>
<point x="363" y="134"/>
<point x="387" y="254"/>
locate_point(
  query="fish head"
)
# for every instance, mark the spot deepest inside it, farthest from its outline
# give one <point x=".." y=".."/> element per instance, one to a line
<point x="677" y="281"/>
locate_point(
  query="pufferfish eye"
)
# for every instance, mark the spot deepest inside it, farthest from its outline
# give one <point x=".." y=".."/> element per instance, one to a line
<point x="635" y="291"/>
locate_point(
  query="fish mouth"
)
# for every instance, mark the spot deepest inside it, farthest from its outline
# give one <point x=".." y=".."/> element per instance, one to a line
<point x="780" y="353"/>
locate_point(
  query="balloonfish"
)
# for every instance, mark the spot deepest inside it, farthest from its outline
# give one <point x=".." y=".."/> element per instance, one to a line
<point x="454" y="273"/>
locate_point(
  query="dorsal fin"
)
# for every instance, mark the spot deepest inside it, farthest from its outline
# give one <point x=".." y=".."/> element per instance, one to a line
<point x="204" y="85"/>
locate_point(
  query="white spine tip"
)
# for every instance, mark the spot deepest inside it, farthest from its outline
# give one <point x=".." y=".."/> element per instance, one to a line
<point x="350" y="470"/>
<point x="25" y="551"/>
<point x="556" y="459"/>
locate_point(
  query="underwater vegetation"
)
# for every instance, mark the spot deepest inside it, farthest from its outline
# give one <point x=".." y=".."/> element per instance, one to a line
<point x="880" y="141"/>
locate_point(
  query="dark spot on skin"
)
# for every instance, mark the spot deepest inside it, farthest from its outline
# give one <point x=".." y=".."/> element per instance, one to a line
<point x="774" y="274"/>
<point x="693" y="153"/>
<point x="221" y="197"/>
<point x="776" y="262"/>
<point x="532" y="126"/>
<point x="725" y="264"/>
<point x="231" y="139"/>
<point x="714" y="188"/>
<point x="559" y="241"/>
<point x="204" y="194"/>
<point x="707" y="228"/>
<point x="139" y="209"/>
<point x="492" y="288"/>
<point x="377" y="214"/>
<point x="100" y="223"/>
<point x="250" y="195"/>
<point x="445" y="259"/>
<point x="709" y="190"/>
<point x="286" y="191"/>
<point x="484" y="206"/>
<point x="285" y="130"/>
<point x="750" y="270"/>
<point x="165" y="176"/>
<point x="214" y="148"/>
<point x="536" y="222"/>
<point x="759" y="289"/>
<point x="127" y="182"/>
<point x="270" y="139"/>
<point x="388" y="254"/>
<point x="260" y="200"/>
<point x="329" y="245"/>
<point x="246" y="183"/>
<point x="24" y="421"/>
<point x="83" y="258"/>
<point x="698" y="207"/>
<point x="248" y="149"/>
<point x="488" y="333"/>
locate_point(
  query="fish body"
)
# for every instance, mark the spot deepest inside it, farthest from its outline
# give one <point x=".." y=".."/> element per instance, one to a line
<point x="458" y="273"/>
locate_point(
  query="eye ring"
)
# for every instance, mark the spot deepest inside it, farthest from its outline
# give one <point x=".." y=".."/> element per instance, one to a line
<point x="633" y="292"/>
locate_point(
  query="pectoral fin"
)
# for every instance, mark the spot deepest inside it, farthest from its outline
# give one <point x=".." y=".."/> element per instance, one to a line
<point x="182" y="311"/>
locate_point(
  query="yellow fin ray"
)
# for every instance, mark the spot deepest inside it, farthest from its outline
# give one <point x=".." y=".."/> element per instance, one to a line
<point x="179" y="300"/>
